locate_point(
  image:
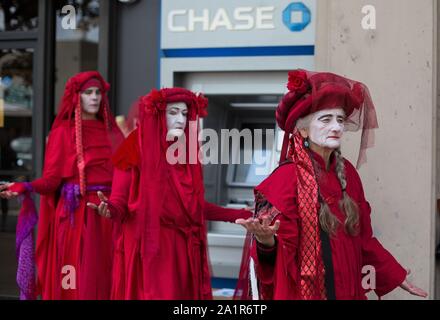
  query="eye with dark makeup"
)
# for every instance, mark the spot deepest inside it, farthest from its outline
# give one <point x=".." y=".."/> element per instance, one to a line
<point x="90" y="91"/>
<point x="328" y="117"/>
<point x="325" y="118"/>
<point x="175" y="111"/>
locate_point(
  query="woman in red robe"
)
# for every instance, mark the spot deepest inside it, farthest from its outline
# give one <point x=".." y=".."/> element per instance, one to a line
<point x="312" y="235"/>
<point x="161" y="251"/>
<point x="74" y="250"/>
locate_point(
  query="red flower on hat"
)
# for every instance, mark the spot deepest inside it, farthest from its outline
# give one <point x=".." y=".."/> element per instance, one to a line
<point x="298" y="81"/>
<point x="202" y="105"/>
<point x="155" y="101"/>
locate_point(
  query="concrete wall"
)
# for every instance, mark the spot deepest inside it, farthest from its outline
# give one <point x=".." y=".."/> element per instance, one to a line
<point x="397" y="62"/>
<point x="437" y="224"/>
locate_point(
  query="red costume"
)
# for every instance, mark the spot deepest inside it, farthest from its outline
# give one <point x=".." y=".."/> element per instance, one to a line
<point x="161" y="251"/>
<point x="77" y="164"/>
<point x="306" y="263"/>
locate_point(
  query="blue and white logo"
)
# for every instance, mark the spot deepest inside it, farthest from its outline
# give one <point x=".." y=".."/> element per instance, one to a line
<point x="296" y="16"/>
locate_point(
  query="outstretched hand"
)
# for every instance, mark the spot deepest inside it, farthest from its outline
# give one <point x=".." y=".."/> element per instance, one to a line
<point x="263" y="231"/>
<point x="5" y="193"/>
<point x="250" y="209"/>
<point x="412" y="289"/>
<point x="102" y="208"/>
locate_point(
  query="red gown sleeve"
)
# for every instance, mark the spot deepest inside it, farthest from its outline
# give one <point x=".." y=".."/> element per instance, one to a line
<point x="216" y="213"/>
<point x="46" y="185"/>
<point x="59" y="162"/>
<point x="118" y="202"/>
<point x="276" y="267"/>
<point x="125" y="161"/>
<point x="128" y="154"/>
<point x="389" y="273"/>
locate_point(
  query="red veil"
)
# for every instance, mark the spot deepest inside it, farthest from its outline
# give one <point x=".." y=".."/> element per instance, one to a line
<point x="153" y="148"/>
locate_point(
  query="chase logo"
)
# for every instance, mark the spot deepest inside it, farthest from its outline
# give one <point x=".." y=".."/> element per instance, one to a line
<point x="296" y="16"/>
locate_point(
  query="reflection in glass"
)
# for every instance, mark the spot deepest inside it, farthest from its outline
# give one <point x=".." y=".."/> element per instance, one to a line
<point x="16" y="99"/>
<point x="260" y="167"/>
<point x="76" y="50"/>
<point x="18" y="15"/>
<point x="254" y="173"/>
<point x="16" y="89"/>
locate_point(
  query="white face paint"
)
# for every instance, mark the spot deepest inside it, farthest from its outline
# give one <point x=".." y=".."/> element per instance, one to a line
<point x="326" y="128"/>
<point x="91" y="101"/>
<point x="176" y="114"/>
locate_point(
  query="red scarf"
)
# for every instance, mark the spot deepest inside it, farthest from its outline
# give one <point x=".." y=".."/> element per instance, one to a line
<point x="311" y="264"/>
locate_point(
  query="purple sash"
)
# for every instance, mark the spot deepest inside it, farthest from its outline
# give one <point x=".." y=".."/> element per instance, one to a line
<point x="71" y="194"/>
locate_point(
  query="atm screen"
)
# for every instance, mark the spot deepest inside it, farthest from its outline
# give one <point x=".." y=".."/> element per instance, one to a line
<point x="251" y="174"/>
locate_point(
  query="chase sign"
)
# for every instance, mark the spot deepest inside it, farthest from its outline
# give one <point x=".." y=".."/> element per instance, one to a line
<point x="237" y="23"/>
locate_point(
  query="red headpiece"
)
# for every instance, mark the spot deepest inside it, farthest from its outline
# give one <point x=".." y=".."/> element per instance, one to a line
<point x="310" y="92"/>
<point x="92" y="82"/>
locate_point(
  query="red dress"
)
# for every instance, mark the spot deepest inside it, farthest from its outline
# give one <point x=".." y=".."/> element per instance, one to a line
<point x="277" y="268"/>
<point x="182" y="270"/>
<point x="82" y="240"/>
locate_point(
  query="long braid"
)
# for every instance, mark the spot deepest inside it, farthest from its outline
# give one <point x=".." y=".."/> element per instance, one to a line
<point x="106" y="115"/>
<point x="79" y="148"/>
<point x="340" y="169"/>
<point x="346" y="204"/>
<point x="328" y="221"/>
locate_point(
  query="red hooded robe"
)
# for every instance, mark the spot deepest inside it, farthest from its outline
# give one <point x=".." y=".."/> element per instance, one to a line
<point x="74" y="250"/>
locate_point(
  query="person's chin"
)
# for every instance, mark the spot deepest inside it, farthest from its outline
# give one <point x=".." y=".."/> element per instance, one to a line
<point x="333" y="145"/>
<point x="175" y="133"/>
<point x="93" y="111"/>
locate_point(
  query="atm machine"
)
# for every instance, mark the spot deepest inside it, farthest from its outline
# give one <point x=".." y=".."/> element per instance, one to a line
<point x="231" y="183"/>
